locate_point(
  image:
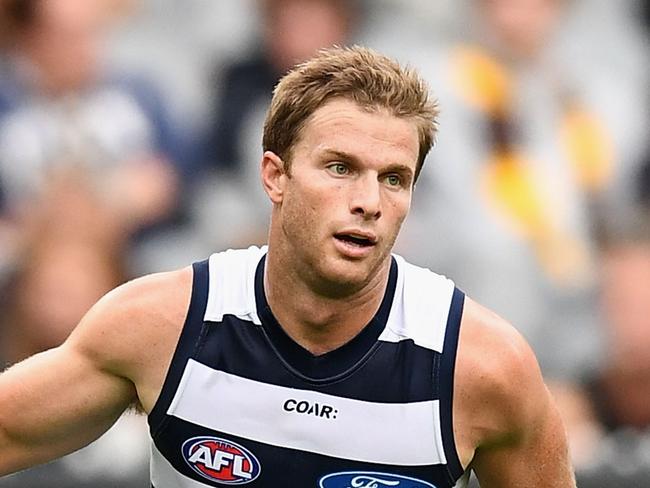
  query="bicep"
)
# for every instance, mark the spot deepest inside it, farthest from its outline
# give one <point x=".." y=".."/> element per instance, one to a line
<point x="56" y="402"/>
<point x="537" y="456"/>
<point x="503" y="409"/>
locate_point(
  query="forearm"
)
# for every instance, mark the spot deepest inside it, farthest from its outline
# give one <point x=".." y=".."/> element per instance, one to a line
<point x="52" y="404"/>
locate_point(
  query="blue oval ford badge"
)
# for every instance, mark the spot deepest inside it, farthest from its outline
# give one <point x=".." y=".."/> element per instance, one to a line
<point x="221" y="460"/>
<point x="366" y="479"/>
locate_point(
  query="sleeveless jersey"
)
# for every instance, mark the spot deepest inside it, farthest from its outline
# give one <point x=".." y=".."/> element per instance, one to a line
<point x="243" y="404"/>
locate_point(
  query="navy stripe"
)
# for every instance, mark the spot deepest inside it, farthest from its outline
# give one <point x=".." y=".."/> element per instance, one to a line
<point x="333" y="365"/>
<point x="186" y="346"/>
<point x="394" y="373"/>
<point x="294" y="467"/>
<point x="446" y="377"/>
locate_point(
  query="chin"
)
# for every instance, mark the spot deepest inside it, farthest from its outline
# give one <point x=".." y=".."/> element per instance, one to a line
<point x="342" y="276"/>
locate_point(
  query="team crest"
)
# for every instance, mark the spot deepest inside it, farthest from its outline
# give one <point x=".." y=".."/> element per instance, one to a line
<point x="361" y="479"/>
<point x="221" y="460"/>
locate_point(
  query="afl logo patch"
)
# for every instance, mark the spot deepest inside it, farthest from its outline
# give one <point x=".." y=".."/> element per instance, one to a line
<point x="221" y="460"/>
<point x="362" y="479"/>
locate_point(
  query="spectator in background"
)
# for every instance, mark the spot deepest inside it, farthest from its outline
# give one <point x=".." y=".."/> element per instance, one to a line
<point x="292" y="31"/>
<point x="521" y="169"/>
<point x="608" y="414"/>
<point x="621" y="390"/>
<point x="65" y="118"/>
<point x="88" y="159"/>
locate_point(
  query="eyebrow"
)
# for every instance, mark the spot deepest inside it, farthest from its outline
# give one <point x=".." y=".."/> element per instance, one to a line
<point x="343" y="156"/>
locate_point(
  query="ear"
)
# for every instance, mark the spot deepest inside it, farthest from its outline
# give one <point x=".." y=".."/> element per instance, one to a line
<point x="273" y="176"/>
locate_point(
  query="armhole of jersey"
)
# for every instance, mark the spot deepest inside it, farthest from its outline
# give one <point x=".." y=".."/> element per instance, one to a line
<point x="185" y="348"/>
<point x="447" y="367"/>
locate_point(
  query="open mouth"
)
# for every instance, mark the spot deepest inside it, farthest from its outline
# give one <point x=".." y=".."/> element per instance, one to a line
<point x="356" y="240"/>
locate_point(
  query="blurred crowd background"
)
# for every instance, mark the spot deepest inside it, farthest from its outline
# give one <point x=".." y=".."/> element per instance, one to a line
<point x="130" y="139"/>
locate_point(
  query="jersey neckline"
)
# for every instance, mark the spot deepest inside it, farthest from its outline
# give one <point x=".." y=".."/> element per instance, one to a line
<point x="334" y="364"/>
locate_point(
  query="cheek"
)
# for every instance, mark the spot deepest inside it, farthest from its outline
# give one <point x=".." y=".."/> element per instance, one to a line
<point x="301" y="217"/>
<point x="316" y="202"/>
<point x="399" y="208"/>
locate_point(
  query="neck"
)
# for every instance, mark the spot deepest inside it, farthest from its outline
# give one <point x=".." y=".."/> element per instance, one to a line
<point x="317" y="321"/>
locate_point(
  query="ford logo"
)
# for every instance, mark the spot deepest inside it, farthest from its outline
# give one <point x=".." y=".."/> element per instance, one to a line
<point x="363" y="479"/>
<point x="221" y="460"/>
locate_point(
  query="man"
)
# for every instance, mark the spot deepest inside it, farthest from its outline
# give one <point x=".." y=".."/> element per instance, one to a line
<point x="322" y="361"/>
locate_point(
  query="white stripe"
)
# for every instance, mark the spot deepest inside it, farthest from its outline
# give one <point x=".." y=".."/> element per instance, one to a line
<point x="420" y="307"/>
<point x="406" y="434"/>
<point x="164" y="475"/>
<point x="232" y="284"/>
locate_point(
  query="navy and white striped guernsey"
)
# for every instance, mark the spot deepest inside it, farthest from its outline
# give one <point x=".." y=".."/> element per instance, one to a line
<point x="242" y="404"/>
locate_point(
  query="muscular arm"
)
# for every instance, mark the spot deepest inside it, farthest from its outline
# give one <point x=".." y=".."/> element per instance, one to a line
<point x="60" y="400"/>
<point x="55" y="403"/>
<point x="516" y="432"/>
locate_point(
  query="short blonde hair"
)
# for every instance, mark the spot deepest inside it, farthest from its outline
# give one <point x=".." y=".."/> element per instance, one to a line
<point x="355" y="73"/>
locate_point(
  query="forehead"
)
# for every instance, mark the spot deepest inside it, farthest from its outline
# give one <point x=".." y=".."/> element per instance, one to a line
<point x="343" y="125"/>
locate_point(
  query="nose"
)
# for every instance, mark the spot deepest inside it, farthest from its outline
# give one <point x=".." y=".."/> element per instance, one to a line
<point x="365" y="199"/>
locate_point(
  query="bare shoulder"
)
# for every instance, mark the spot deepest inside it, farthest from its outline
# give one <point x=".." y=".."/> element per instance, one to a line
<point x="133" y="330"/>
<point x="506" y="425"/>
<point x="158" y="296"/>
<point x="499" y="389"/>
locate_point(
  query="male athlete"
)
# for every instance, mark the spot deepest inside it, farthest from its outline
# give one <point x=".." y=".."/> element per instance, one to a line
<point x="322" y="360"/>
